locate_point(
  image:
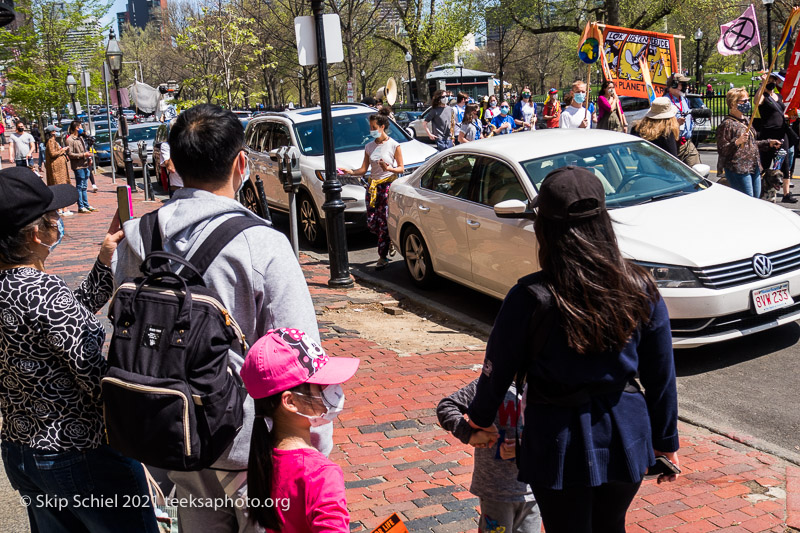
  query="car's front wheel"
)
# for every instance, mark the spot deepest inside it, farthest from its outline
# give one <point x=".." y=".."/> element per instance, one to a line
<point x="417" y="258"/>
<point x="248" y="197"/>
<point x="309" y="221"/>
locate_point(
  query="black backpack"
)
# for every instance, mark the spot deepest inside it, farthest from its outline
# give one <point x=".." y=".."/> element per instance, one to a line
<point x="170" y="399"/>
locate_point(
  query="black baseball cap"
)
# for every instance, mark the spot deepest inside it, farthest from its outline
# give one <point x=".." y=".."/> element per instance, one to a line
<point x="570" y="193"/>
<point x="24" y="198"/>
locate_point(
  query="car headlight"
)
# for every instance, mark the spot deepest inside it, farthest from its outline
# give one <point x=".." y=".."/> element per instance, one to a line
<point x="671" y="276"/>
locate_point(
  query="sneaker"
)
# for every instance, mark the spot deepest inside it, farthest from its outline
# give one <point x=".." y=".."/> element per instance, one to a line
<point x="67" y="213"/>
<point x="789" y="199"/>
<point x="392" y="250"/>
<point x="82" y="211"/>
<point x="381" y="264"/>
<point x="92" y="208"/>
<point x="94" y="188"/>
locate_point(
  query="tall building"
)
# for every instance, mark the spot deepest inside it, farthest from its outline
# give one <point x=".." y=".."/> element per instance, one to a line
<point x="389" y="17"/>
<point x="83" y="41"/>
<point x="141" y="12"/>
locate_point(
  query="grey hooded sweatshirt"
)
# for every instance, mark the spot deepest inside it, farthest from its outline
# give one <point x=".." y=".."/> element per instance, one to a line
<point x="256" y="276"/>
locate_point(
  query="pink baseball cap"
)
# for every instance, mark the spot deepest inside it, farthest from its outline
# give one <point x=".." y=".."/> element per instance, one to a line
<point x="286" y="357"/>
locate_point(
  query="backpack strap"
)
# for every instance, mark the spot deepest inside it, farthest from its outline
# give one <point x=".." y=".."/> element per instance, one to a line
<point x="150" y="233"/>
<point x="219" y="239"/>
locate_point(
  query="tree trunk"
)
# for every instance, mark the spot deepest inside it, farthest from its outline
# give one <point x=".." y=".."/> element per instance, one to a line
<point x="612" y="12"/>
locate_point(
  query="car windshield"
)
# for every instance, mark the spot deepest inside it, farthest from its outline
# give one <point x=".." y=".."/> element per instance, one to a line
<point x="631" y="173"/>
<point x="350" y="132"/>
<point x="142" y="134"/>
<point x="101" y="138"/>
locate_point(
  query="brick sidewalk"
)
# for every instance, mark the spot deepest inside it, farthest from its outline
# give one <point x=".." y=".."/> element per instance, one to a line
<point x="397" y="459"/>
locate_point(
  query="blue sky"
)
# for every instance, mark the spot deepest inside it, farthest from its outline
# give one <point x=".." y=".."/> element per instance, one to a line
<point x="111" y="17"/>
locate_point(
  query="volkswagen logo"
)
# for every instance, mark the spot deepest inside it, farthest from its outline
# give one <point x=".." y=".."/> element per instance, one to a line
<point x="762" y="266"/>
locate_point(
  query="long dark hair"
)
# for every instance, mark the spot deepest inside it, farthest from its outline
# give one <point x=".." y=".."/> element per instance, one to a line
<point x="602" y="297"/>
<point x="260" y="468"/>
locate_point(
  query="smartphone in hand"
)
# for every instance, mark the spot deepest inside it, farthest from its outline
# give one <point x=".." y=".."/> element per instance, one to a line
<point x="662" y="467"/>
<point x="124" y="203"/>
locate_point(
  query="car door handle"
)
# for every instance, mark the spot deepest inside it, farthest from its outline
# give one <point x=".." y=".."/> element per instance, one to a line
<point x="423" y="208"/>
<point x="473" y="223"/>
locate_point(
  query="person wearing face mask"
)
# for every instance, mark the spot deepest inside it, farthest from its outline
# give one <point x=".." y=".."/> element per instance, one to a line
<point x="383" y="158"/>
<point x="22" y="144"/>
<point x="575" y="115"/>
<point x="52" y="438"/>
<point x="738" y="148"/>
<point x="773" y="124"/>
<point x="687" y="151"/>
<point x="610" y="115"/>
<point x="552" y="109"/>
<point x="256" y="275"/>
<point x="524" y="112"/>
<point x="79" y="157"/>
<point x="493" y="110"/>
<point x="56" y="162"/>
<point x="441" y="120"/>
<point x="503" y="124"/>
<point x="296" y="387"/>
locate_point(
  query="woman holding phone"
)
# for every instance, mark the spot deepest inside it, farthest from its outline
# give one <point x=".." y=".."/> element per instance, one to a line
<point x="581" y="330"/>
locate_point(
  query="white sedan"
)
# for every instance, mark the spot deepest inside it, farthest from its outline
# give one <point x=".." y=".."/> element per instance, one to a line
<point x="727" y="265"/>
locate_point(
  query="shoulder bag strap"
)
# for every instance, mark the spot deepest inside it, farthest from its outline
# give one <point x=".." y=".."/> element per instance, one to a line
<point x="538" y="328"/>
<point x="150" y="233"/>
<point x="219" y="239"/>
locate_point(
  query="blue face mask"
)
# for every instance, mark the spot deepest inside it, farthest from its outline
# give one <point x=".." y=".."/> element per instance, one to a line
<point x="504" y="110"/>
<point x="375" y="133"/>
<point x="580" y="97"/>
<point x="60" y="226"/>
<point x="80" y="131"/>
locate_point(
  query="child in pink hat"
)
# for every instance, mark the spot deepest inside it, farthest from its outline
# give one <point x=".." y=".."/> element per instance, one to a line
<point x="291" y="486"/>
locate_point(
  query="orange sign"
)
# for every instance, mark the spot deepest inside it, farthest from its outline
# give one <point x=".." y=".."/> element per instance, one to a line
<point x="393" y="524"/>
<point x="624" y="48"/>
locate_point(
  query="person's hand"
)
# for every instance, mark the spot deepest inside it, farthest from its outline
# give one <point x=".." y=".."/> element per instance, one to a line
<point x="742" y="139"/>
<point x="775" y="143"/>
<point x="112" y="239"/>
<point x="431" y="136"/>
<point x="482" y="439"/>
<point x="584" y="123"/>
<point x="672" y="456"/>
<point x="681" y="121"/>
<point x="346" y="170"/>
<point x="383" y="165"/>
<point x="508" y="449"/>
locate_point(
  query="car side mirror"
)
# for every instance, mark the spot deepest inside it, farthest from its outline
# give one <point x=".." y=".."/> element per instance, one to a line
<point x="513" y="209"/>
<point x="702" y="170"/>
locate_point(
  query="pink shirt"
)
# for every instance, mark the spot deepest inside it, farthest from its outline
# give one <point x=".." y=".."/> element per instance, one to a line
<point x="314" y="486"/>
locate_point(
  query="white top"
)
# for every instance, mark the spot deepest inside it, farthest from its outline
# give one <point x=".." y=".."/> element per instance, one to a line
<point x="571" y="117"/>
<point x="527" y="115"/>
<point x="174" y="178"/>
<point x="376" y="152"/>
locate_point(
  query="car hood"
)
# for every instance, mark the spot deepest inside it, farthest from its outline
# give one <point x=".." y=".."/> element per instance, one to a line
<point x="414" y="153"/>
<point x="709" y="227"/>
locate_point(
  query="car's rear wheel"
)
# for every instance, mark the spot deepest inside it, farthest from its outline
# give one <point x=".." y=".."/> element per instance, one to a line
<point x="417" y="258"/>
<point x="309" y="221"/>
<point x="248" y="197"/>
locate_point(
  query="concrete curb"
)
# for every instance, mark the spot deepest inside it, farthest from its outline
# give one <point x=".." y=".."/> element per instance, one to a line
<point x="422" y="301"/>
<point x="793" y="497"/>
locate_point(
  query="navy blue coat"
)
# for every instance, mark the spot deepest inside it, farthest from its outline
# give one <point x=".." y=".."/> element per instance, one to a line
<point x="611" y="436"/>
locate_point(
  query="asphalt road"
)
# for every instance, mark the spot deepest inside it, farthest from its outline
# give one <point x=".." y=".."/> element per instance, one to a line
<point x="746" y="388"/>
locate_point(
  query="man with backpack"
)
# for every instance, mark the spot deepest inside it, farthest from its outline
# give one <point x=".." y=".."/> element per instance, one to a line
<point x="254" y="275"/>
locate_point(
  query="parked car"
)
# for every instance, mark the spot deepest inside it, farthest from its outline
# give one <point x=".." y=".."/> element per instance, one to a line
<point x="302" y="128"/>
<point x="405" y="118"/>
<point x="102" y="148"/>
<point x="702" y="119"/>
<point x="418" y="126"/>
<point x="465" y="215"/>
<point x="635" y="109"/>
<point x="136" y="132"/>
<point x="162" y="134"/>
<point x="130" y="116"/>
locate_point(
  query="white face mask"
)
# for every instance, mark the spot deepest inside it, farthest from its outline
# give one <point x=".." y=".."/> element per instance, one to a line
<point x="375" y="134"/>
<point x="333" y="398"/>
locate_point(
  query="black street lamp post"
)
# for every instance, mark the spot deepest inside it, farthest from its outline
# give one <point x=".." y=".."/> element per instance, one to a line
<point x="72" y="89"/>
<point x="408" y="63"/>
<point x="332" y="187"/>
<point x="768" y="5"/>
<point x="114" y="58"/>
<point x="698" y="36"/>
